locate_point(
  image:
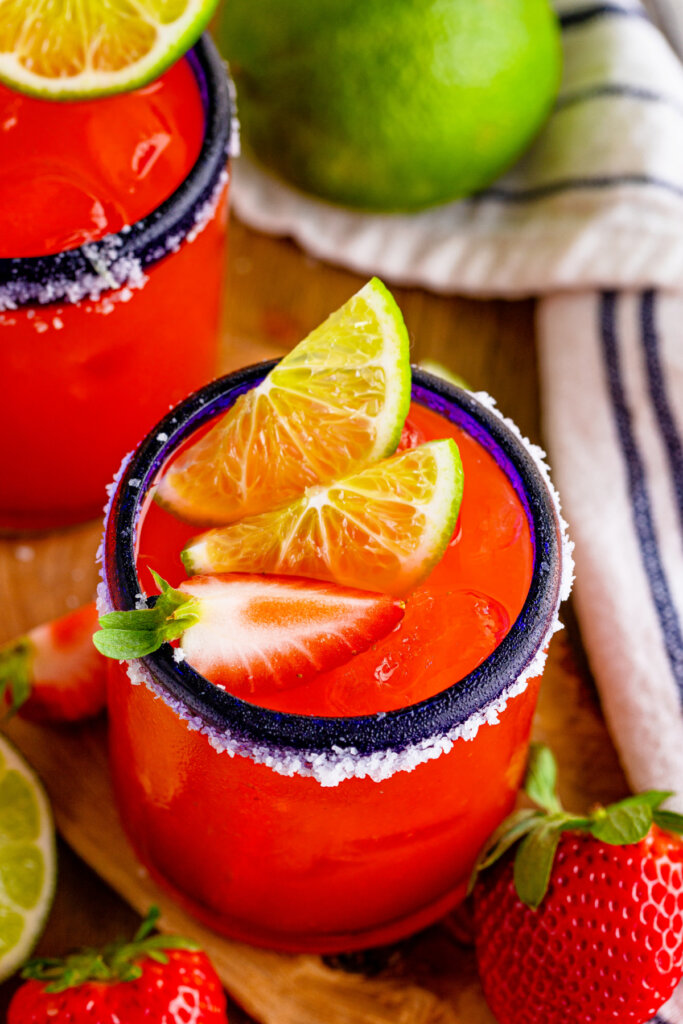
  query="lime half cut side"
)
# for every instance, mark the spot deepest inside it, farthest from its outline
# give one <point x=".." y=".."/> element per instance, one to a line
<point x="381" y="529"/>
<point x="76" y="49"/>
<point x="27" y="859"/>
<point x="335" y="404"/>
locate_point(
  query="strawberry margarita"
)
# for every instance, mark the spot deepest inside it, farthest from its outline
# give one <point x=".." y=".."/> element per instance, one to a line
<point x="348" y="810"/>
<point x="112" y="227"/>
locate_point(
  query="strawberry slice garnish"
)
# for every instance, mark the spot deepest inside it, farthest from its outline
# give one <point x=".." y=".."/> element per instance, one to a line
<point x="54" y="672"/>
<point x="249" y="633"/>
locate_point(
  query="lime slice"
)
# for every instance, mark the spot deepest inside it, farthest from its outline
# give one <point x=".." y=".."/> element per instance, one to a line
<point x="335" y="404"/>
<point x="27" y="859"/>
<point x="87" y="48"/>
<point x="382" y="529"/>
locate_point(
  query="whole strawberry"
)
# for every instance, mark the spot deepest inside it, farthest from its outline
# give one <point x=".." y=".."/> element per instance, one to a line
<point x="54" y="673"/>
<point x="155" y="979"/>
<point x="583" y="921"/>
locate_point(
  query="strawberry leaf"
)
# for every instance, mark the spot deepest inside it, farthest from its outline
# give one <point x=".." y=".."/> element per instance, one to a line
<point x="652" y="797"/>
<point x="534" y="862"/>
<point x="123" y="644"/>
<point x="669" y="821"/>
<point x="141" y="620"/>
<point x="621" y="824"/>
<point x="133" y="634"/>
<point x="149" y="923"/>
<point x="16" y="673"/>
<point x="118" y="961"/>
<point x="163" y="585"/>
<point x="515" y="826"/>
<point x="541" y="778"/>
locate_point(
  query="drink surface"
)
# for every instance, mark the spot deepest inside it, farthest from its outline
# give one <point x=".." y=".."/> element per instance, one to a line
<point x="452" y="621"/>
<point x="71" y="173"/>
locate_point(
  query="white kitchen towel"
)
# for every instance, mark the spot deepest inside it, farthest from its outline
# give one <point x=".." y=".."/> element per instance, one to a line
<point x="612" y="381"/>
<point x="596" y="201"/>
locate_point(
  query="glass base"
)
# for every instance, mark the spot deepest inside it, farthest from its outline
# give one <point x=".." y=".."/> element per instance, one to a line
<point x="384" y="934"/>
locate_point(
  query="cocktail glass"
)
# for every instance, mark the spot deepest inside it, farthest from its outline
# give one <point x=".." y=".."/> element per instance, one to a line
<point x="313" y="833"/>
<point x="98" y="341"/>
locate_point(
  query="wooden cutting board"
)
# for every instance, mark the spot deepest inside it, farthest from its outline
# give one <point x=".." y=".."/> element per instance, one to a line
<point x="275" y="294"/>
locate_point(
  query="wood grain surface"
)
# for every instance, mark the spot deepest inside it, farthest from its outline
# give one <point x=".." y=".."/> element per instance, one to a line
<point x="274" y="295"/>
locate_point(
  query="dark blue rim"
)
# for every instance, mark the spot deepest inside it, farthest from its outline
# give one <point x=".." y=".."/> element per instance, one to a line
<point x="147" y="241"/>
<point x="368" y="733"/>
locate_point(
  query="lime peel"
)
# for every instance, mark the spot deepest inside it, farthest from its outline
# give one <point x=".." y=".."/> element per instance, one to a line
<point x="27" y="844"/>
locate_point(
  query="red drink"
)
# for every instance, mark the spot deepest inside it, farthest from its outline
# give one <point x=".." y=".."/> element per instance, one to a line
<point x="452" y="621"/>
<point x="112" y="226"/>
<point x="306" y="831"/>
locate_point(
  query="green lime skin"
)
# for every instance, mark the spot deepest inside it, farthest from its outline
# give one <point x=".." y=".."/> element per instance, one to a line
<point x="391" y="104"/>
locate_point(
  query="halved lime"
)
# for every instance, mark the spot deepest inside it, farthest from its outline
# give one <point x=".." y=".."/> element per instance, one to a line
<point x="335" y="404"/>
<point x="27" y="859"/>
<point x="381" y="529"/>
<point x="70" y="49"/>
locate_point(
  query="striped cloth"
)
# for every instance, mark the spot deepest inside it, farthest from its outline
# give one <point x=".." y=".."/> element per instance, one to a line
<point x="591" y="220"/>
<point x="618" y="462"/>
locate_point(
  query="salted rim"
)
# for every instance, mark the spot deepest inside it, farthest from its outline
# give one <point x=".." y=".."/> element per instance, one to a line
<point x="119" y="260"/>
<point x="333" y="749"/>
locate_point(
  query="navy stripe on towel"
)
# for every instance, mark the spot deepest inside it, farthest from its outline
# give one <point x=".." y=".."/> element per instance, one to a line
<point x="584" y="14"/>
<point x="640" y="498"/>
<point x="660" y="398"/>
<point x="630" y="92"/>
<point x="576" y="184"/>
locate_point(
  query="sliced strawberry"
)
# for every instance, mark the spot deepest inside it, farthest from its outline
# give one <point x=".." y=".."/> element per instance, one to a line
<point x="275" y="632"/>
<point x="249" y="633"/>
<point x="54" y="672"/>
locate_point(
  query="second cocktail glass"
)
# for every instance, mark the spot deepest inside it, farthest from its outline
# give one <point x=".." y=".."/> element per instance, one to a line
<point x="97" y="341"/>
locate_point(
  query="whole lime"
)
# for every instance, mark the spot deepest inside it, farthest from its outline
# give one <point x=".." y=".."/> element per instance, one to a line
<point x="391" y="104"/>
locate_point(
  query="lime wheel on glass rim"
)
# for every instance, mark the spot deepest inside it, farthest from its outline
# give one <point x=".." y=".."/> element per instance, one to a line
<point x="87" y="48"/>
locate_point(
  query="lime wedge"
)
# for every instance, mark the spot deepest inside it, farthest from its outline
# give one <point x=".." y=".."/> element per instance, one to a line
<point x="335" y="404"/>
<point x="86" y="48"/>
<point x="27" y="859"/>
<point x="381" y="529"/>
